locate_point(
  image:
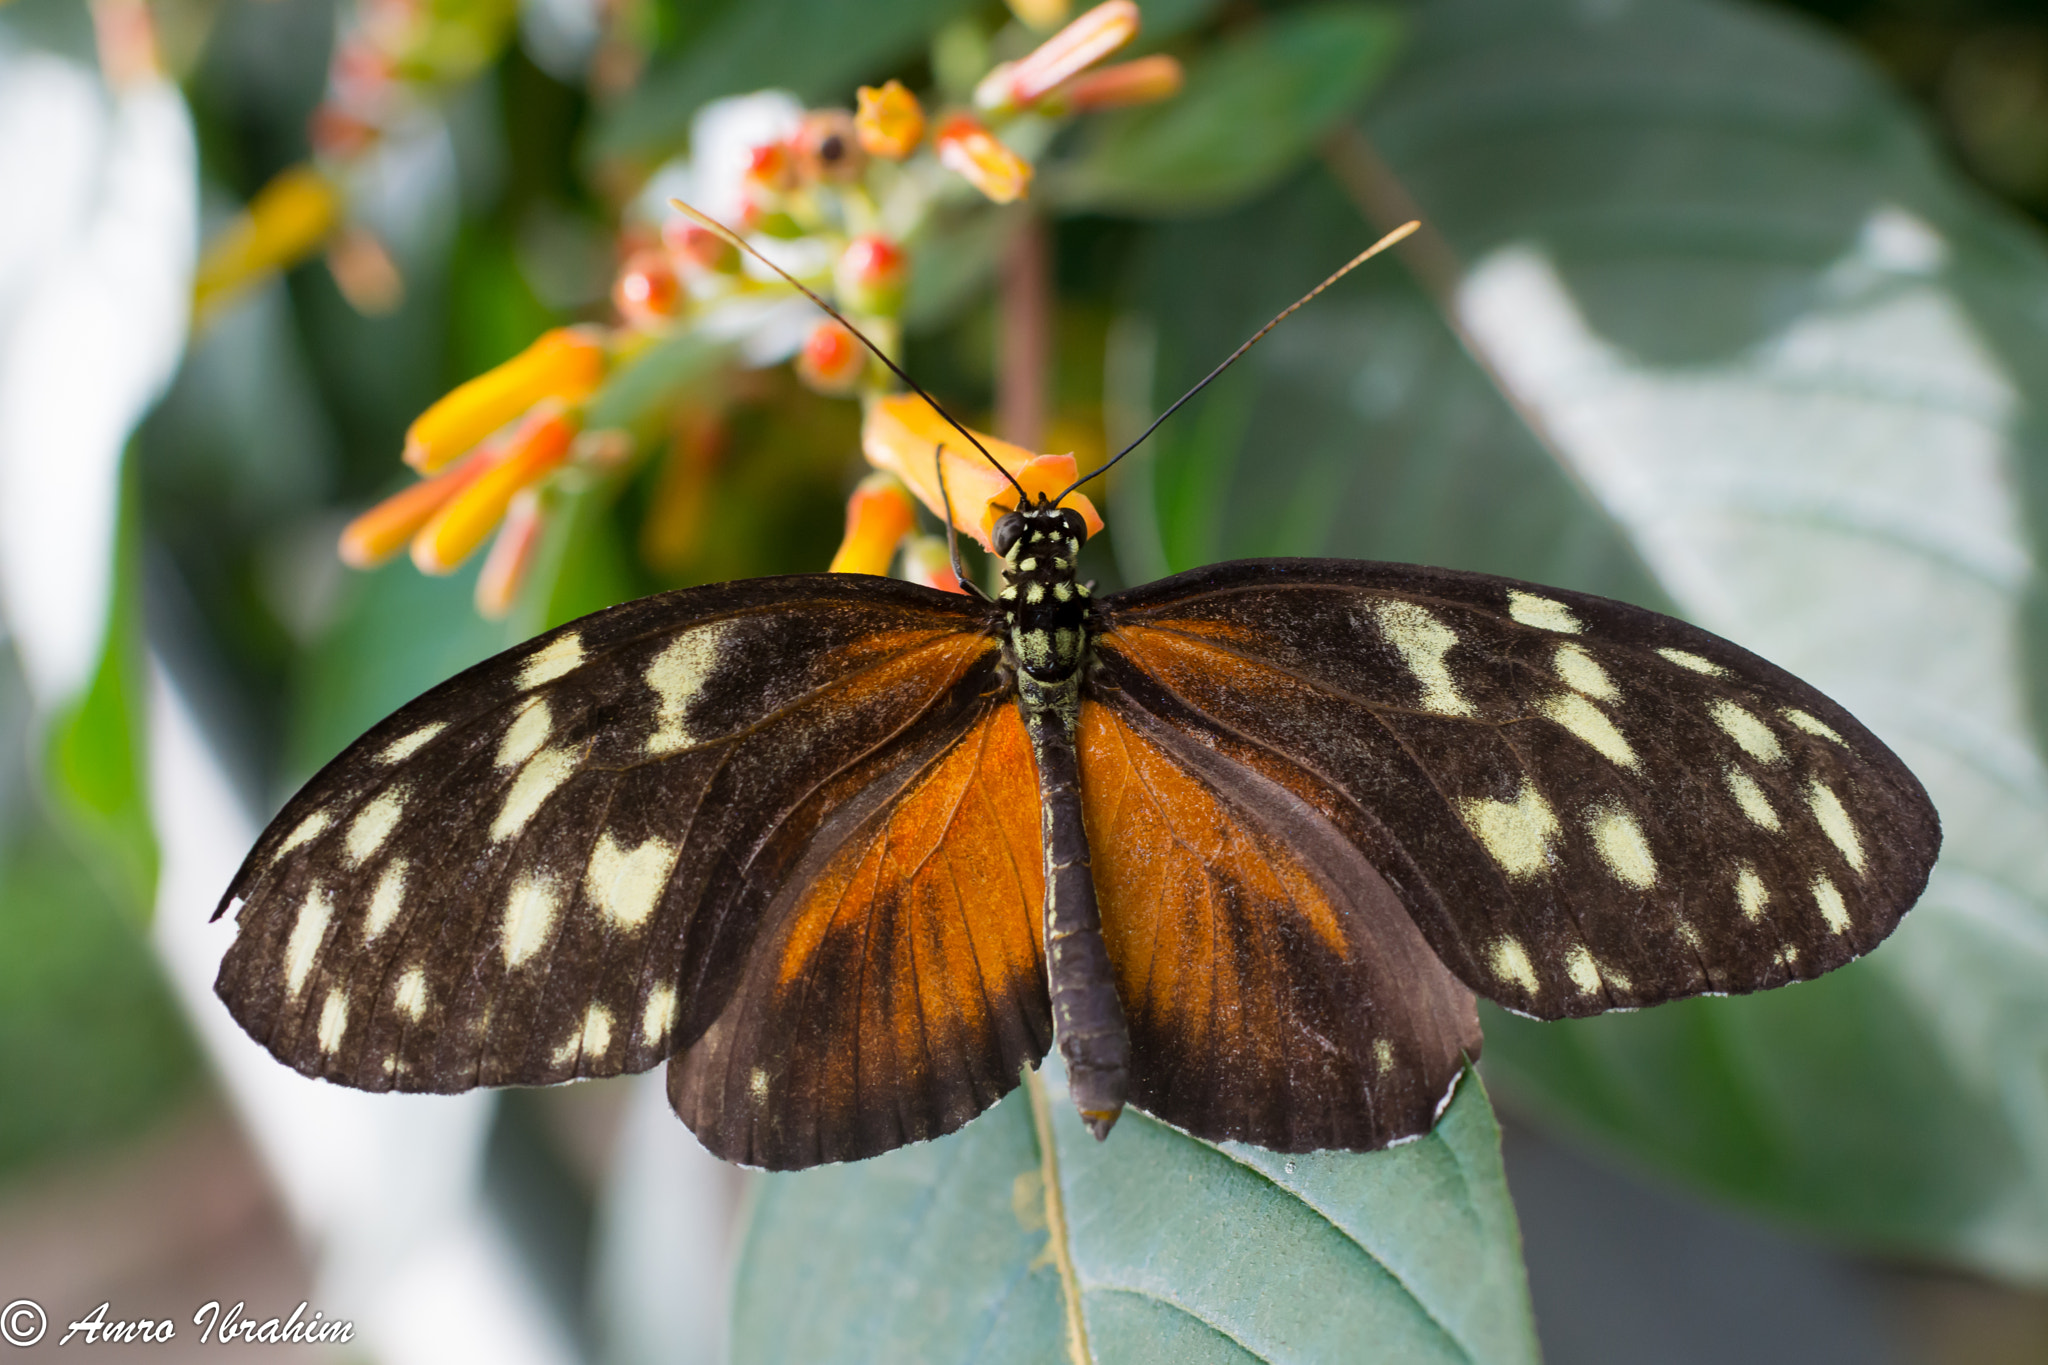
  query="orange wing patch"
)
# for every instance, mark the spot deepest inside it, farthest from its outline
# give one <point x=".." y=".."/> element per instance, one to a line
<point x="903" y="986"/>
<point x="1276" y="991"/>
<point x="1178" y="876"/>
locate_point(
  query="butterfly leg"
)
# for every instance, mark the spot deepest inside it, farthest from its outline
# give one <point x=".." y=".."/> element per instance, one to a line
<point x="1088" y="1018"/>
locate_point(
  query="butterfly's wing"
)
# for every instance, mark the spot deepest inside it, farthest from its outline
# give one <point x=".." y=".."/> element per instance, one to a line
<point x="577" y="858"/>
<point x="1582" y="805"/>
<point x="1275" y="988"/>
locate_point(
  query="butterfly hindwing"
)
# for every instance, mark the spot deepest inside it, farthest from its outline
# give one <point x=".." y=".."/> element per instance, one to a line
<point x="557" y="863"/>
<point x="1583" y="804"/>
<point x="898" y="983"/>
<point x="1275" y="988"/>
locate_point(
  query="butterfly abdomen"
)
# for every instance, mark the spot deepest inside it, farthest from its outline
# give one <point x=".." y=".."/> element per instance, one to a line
<point x="1049" y="622"/>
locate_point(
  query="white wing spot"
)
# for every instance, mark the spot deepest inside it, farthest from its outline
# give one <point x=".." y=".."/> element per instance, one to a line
<point x="530" y="913"/>
<point x="307" y="931"/>
<point x="387" y="900"/>
<point x="1686" y="659"/>
<point x="1581" y="671"/>
<point x="1751" y="798"/>
<point x="1423" y="641"/>
<point x="757" y="1085"/>
<point x="1745" y="729"/>
<point x="401" y="749"/>
<point x="333" y="1020"/>
<point x="1542" y="613"/>
<point x="1831" y="907"/>
<point x="677" y="675"/>
<point x="563" y="656"/>
<point x="528" y="732"/>
<point x="531" y="789"/>
<point x="659" y="1016"/>
<point x="1517" y="833"/>
<point x="1585" y="972"/>
<point x="374" y="823"/>
<point x="1751" y="893"/>
<point x="411" y="997"/>
<point x="597" y="1031"/>
<point x="309" y="829"/>
<point x="1620" y="842"/>
<point x="625" y="884"/>
<point x="1812" y="724"/>
<point x="1382" y="1057"/>
<point x="1835" y="822"/>
<point x="1511" y="963"/>
<point x="1589" y="723"/>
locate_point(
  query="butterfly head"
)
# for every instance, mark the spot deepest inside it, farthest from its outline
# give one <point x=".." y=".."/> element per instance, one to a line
<point x="1039" y="527"/>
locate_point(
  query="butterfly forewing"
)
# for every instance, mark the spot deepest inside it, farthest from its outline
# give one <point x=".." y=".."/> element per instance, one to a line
<point x="556" y="864"/>
<point x="1582" y="804"/>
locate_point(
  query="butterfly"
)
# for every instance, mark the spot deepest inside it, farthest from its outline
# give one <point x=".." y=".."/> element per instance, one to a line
<point x="848" y="853"/>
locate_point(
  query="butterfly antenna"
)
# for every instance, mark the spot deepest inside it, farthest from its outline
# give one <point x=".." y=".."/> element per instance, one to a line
<point x="729" y="235"/>
<point x="1356" y="261"/>
<point x="967" y="585"/>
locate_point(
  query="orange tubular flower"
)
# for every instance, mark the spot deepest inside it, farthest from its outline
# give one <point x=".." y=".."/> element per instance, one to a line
<point x="927" y="561"/>
<point x="566" y="364"/>
<point x="1144" y="81"/>
<point x="382" y="532"/>
<point x="974" y="153"/>
<point x="889" y="121"/>
<point x="1066" y="54"/>
<point x="532" y="453"/>
<point x="497" y="587"/>
<point x="901" y="434"/>
<point x="878" y="516"/>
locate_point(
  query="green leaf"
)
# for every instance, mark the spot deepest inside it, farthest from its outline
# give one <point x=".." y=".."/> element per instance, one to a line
<point x="1181" y="1250"/>
<point x="1799" y="374"/>
<point x="818" y="49"/>
<point x="1791" y="369"/>
<point x="97" y="746"/>
<point x="1252" y="109"/>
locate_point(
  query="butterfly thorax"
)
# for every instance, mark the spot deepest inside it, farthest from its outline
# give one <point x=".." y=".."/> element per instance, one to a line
<point x="1046" y="610"/>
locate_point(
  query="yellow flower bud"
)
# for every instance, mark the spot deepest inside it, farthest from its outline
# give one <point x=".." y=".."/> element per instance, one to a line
<point x="532" y="453"/>
<point x="285" y="223"/>
<point x="566" y="364"/>
<point x="889" y="122"/>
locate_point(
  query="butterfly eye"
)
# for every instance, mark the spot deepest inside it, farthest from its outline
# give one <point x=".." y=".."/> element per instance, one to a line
<point x="1008" y="528"/>
<point x="1076" y="528"/>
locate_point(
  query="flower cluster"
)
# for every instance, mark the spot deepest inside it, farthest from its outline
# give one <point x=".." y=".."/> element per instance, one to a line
<point x="838" y="200"/>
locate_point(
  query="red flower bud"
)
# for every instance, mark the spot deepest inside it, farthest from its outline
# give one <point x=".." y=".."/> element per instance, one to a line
<point x="647" y="292"/>
<point x="832" y="360"/>
<point x="870" y="275"/>
<point x="699" y="248"/>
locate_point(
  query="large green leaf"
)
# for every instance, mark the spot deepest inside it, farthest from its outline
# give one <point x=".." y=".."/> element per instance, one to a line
<point x="1252" y="109"/>
<point x="1180" y="1250"/>
<point x="1793" y="370"/>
